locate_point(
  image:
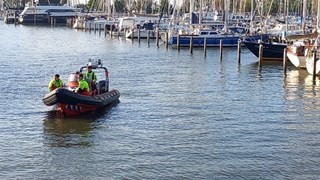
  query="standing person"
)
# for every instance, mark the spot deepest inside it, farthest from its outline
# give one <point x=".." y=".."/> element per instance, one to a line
<point x="83" y="87"/>
<point x="91" y="78"/>
<point x="55" y="83"/>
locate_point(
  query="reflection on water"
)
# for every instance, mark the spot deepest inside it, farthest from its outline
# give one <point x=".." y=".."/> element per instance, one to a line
<point x="72" y="131"/>
<point x="299" y="84"/>
<point x="66" y="132"/>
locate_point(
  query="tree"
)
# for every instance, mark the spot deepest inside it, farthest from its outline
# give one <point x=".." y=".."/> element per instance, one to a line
<point x="164" y="6"/>
<point x="120" y="6"/>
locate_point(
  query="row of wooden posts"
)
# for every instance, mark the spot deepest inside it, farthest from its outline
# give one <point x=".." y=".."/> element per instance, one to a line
<point x="95" y="29"/>
<point x="51" y="20"/>
<point x="285" y="59"/>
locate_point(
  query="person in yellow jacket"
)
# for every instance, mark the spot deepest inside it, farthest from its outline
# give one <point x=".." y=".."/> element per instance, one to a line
<point x="91" y="78"/>
<point x="83" y="87"/>
<point x="55" y="83"/>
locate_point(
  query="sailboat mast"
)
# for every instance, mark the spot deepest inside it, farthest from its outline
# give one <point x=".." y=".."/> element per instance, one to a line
<point x="200" y="13"/>
<point x="287" y="14"/>
<point x="304" y="14"/>
<point x="191" y="10"/>
<point x="226" y="15"/>
<point x="252" y="12"/>
<point x="318" y="15"/>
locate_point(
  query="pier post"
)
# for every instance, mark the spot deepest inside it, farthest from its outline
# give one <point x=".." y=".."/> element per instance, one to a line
<point x="34" y="19"/>
<point x="221" y="48"/>
<point x="90" y="27"/>
<point x="118" y="33"/>
<point x="15" y="18"/>
<point x="111" y="31"/>
<point x="167" y="39"/>
<point x="99" y="28"/>
<point x="139" y="36"/>
<point x="54" y="22"/>
<point x="51" y="21"/>
<point x="285" y="60"/>
<point x="205" y="47"/>
<point x="125" y="32"/>
<point x="260" y="55"/>
<point x="191" y="44"/>
<point x="132" y="33"/>
<point x="239" y="50"/>
<point x="178" y="42"/>
<point x="148" y="38"/>
<point x="48" y="16"/>
<point x="157" y="38"/>
<point x="94" y="27"/>
<point x="314" y="66"/>
<point x="105" y="30"/>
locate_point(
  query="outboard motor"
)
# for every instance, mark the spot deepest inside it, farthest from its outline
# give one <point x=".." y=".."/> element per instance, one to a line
<point x="73" y="81"/>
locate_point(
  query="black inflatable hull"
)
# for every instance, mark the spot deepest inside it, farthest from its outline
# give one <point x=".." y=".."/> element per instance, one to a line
<point x="71" y="103"/>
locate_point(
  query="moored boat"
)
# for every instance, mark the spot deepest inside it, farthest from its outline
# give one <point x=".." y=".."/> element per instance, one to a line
<point x="44" y="14"/>
<point x="301" y="48"/>
<point x="213" y="38"/>
<point x="310" y="66"/>
<point x="69" y="103"/>
<point x="271" y="51"/>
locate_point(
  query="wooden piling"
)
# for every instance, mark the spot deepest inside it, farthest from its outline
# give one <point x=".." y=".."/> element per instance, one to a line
<point x="48" y="16"/>
<point x="34" y="19"/>
<point x="132" y="33"/>
<point x="52" y="22"/>
<point x="285" y="60"/>
<point x="55" y="22"/>
<point x="15" y="18"/>
<point x="94" y="27"/>
<point x="125" y="32"/>
<point x="239" y="50"/>
<point x="99" y="29"/>
<point x="191" y="44"/>
<point x="178" y="42"/>
<point x="105" y="29"/>
<point x="111" y="31"/>
<point x="89" y="27"/>
<point x="148" y="38"/>
<point x="167" y="39"/>
<point x="139" y="36"/>
<point x="157" y="38"/>
<point x="314" y="66"/>
<point x="260" y="55"/>
<point x="205" y="43"/>
<point x="221" y="49"/>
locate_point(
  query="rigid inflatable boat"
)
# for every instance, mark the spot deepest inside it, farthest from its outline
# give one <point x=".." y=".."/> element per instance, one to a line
<point x="70" y="103"/>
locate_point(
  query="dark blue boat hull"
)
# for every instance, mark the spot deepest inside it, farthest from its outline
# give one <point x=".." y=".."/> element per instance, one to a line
<point x="43" y="19"/>
<point x="271" y="51"/>
<point x="228" y="40"/>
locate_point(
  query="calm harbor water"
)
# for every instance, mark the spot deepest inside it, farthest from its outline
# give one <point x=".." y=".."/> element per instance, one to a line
<point x="180" y="116"/>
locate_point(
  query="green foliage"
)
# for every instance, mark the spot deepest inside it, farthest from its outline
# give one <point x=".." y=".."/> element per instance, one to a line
<point x="90" y="4"/>
<point x="120" y="6"/>
<point x="164" y="6"/>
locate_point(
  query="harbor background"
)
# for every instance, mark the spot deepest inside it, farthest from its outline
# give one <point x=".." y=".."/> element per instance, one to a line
<point x="180" y="116"/>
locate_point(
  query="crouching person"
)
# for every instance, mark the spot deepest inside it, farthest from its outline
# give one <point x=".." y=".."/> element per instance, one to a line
<point x="83" y="87"/>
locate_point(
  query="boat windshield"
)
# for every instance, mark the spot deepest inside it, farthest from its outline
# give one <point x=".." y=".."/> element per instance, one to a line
<point x="73" y="77"/>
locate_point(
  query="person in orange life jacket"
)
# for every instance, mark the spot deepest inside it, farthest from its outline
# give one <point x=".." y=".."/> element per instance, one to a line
<point x="83" y="87"/>
<point x="55" y="83"/>
<point x="91" y="78"/>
